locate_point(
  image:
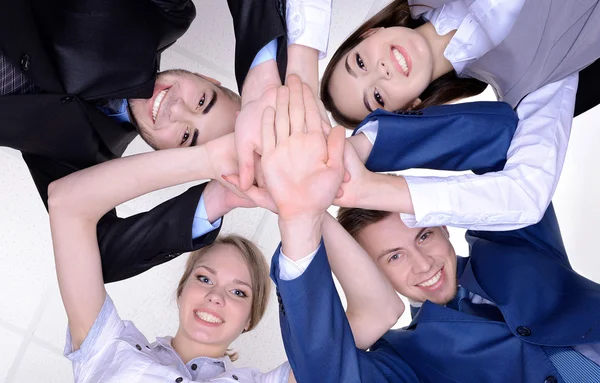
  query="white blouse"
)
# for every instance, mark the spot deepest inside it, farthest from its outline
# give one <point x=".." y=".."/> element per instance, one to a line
<point x="116" y="351"/>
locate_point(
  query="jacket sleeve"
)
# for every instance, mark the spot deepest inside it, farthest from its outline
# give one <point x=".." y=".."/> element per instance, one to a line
<point x="130" y="246"/>
<point x="317" y="336"/>
<point x="469" y="136"/>
<point x="256" y="23"/>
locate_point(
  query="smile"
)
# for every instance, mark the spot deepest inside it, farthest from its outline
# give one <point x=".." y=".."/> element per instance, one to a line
<point x="157" y="101"/>
<point x="431" y="281"/>
<point x="400" y="60"/>
<point x="207" y="317"/>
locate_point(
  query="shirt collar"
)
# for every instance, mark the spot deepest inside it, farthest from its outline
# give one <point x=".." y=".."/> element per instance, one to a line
<point x="165" y="342"/>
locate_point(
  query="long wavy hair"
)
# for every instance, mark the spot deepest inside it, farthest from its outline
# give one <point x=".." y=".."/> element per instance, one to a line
<point x="444" y="89"/>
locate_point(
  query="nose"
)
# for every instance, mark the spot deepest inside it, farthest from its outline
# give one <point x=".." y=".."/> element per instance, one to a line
<point x="421" y="263"/>
<point x="215" y="297"/>
<point x="383" y="69"/>
<point x="177" y="110"/>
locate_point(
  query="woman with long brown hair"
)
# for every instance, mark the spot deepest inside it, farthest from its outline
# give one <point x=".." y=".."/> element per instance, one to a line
<point x="416" y="54"/>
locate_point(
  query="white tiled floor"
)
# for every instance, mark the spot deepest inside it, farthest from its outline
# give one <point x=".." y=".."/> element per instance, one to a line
<point x="32" y="320"/>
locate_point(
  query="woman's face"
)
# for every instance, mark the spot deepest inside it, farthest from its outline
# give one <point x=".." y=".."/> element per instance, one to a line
<point x="216" y="300"/>
<point x="389" y="69"/>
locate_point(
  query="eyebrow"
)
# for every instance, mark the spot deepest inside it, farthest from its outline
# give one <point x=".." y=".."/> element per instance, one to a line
<point x="387" y="251"/>
<point x="353" y="74"/>
<point x="213" y="271"/>
<point x="211" y="103"/>
<point x="420" y="233"/>
<point x="194" y="138"/>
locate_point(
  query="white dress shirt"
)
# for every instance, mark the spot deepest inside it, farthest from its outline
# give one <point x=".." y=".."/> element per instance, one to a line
<point x="518" y="195"/>
<point x="116" y="351"/>
<point x="308" y="23"/>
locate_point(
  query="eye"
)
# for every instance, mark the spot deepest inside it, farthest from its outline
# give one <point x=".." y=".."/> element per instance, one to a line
<point x="239" y="293"/>
<point x="378" y="98"/>
<point x="202" y="101"/>
<point x="394" y="257"/>
<point x="425" y="235"/>
<point x="204" y="279"/>
<point x="359" y="62"/>
<point x="185" y="137"/>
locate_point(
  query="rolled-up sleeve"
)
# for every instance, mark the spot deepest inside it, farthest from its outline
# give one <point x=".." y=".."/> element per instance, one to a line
<point x="518" y="195"/>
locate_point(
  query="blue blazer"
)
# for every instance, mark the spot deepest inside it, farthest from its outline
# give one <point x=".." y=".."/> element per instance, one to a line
<point x="525" y="272"/>
<point x="469" y="136"/>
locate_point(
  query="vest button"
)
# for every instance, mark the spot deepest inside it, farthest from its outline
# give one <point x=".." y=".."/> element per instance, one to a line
<point x="194" y="366"/>
<point x="179" y="380"/>
<point x="25" y="61"/>
<point x="551" y="379"/>
<point x="523" y="331"/>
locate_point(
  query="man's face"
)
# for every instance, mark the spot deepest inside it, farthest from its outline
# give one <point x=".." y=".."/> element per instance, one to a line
<point x="420" y="263"/>
<point x="185" y="109"/>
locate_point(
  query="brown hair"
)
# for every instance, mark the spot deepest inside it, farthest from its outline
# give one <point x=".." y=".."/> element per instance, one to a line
<point x="443" y="90"/>
<point x="354" y="220"/>
<point x="259" y="274"/>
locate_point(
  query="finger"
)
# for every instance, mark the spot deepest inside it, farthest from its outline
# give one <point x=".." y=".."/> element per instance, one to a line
<point x="268" y="131"/>
<point x="246" y="164"/>
<point x="347" y="176"/>
<point x="260" y="196"/>
<point x="326" y="128"/>
<point x="335" y="149"/>
<point x="312" y="113"/>
<point x="258" y="172"/>
<point x="235" y="188"/>
<point x="296" y="107"/>
<point x="282" y="115"/>
<point x="340" y="193"/>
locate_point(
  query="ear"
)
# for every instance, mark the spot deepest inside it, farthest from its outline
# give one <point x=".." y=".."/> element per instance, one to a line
<point x="414" y="104"/>
<point x="247" y="326"/>
<point x="369" y="32"/>
<point x="209" y="79"/>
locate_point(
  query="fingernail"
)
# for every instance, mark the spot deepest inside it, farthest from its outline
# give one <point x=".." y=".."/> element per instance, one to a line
<point x="224" y="177"/>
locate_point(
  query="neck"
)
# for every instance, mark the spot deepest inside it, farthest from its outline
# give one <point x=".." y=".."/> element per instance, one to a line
<point x="189" y="349"/>
<point x="438" y="45"/>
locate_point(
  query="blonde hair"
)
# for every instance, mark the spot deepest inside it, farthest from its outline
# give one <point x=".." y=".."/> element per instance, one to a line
<point x="259" y="275"/>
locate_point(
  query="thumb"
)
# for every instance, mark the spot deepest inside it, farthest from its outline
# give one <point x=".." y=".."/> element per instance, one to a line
<point x="335" y="149"/>
<point x="246" y="167"/>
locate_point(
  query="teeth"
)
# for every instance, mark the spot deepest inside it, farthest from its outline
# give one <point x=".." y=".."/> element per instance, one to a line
<point x="431" y="281"/>
<point x="208" y="317"/>
<point x="401" y="60"/>
<point x="157" y="101"/>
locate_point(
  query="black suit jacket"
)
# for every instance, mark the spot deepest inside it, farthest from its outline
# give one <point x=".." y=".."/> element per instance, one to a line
<point x="79" y="51"/>
<point x="256" y="23"/>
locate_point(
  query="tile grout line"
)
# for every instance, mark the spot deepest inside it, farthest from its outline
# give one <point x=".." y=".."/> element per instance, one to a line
<point x="28" y="336"/>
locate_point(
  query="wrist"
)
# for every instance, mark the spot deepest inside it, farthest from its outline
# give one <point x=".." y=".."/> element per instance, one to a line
<point x="215" y="201"/>
<point x="300" y="235"/>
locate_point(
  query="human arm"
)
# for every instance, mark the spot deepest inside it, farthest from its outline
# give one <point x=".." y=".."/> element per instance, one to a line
<point x="76" y="203"/>
<point x="506" y="199"/>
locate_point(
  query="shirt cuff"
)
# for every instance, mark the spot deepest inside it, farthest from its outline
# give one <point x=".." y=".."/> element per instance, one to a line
<point x="308" y="23"/>
<point x="370" y="130"/>
<point x="290" y="269"/>
<point x="427" y="198"/>
<point x="268" y="52"/>
<point x="201" y="225"/>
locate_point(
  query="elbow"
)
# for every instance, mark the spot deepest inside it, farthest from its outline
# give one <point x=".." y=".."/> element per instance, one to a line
<point x="59" y="199"/>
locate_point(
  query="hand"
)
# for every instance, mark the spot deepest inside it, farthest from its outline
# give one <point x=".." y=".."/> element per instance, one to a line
<point x="222" y="156"/>
<point x="357" y="181"/>
<point x="248" y="141"/>
<point x="303" y="170"/>
<point x="219" y="200"/>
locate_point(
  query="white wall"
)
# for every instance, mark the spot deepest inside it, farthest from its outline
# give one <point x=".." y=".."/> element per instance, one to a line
<point x="32" y="319"/>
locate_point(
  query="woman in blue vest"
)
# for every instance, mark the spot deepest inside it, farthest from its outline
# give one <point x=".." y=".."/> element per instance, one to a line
<point x="408" y="57"/>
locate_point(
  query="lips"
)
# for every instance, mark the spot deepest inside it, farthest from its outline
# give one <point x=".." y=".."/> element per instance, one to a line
<point x="401" y="60"/>
<point x="208" y="317"/>
<point x="432" y="282"/>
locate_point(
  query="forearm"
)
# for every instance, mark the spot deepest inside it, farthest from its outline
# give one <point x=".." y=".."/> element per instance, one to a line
<point x="303" y="62"/>
<point x="92" y="192"/>
<point x="373" y="307"/>
<point x="260" y="79"/>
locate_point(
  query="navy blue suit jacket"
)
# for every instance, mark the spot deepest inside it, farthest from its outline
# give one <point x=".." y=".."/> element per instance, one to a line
<point x="469" y="136"/>
<point x="525" y="272"/>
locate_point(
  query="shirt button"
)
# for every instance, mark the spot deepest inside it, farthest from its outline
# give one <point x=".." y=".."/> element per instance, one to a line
<point x="194" y="366"/>
<point x="179" y="380"/>
<point x="523" y="331"/>
<point x="138" y="347"/>
<point x="235" y="377"/>
<point x="67" y="99"/>
<point x="550" y="379"/>
<point x="25" y="60"/>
